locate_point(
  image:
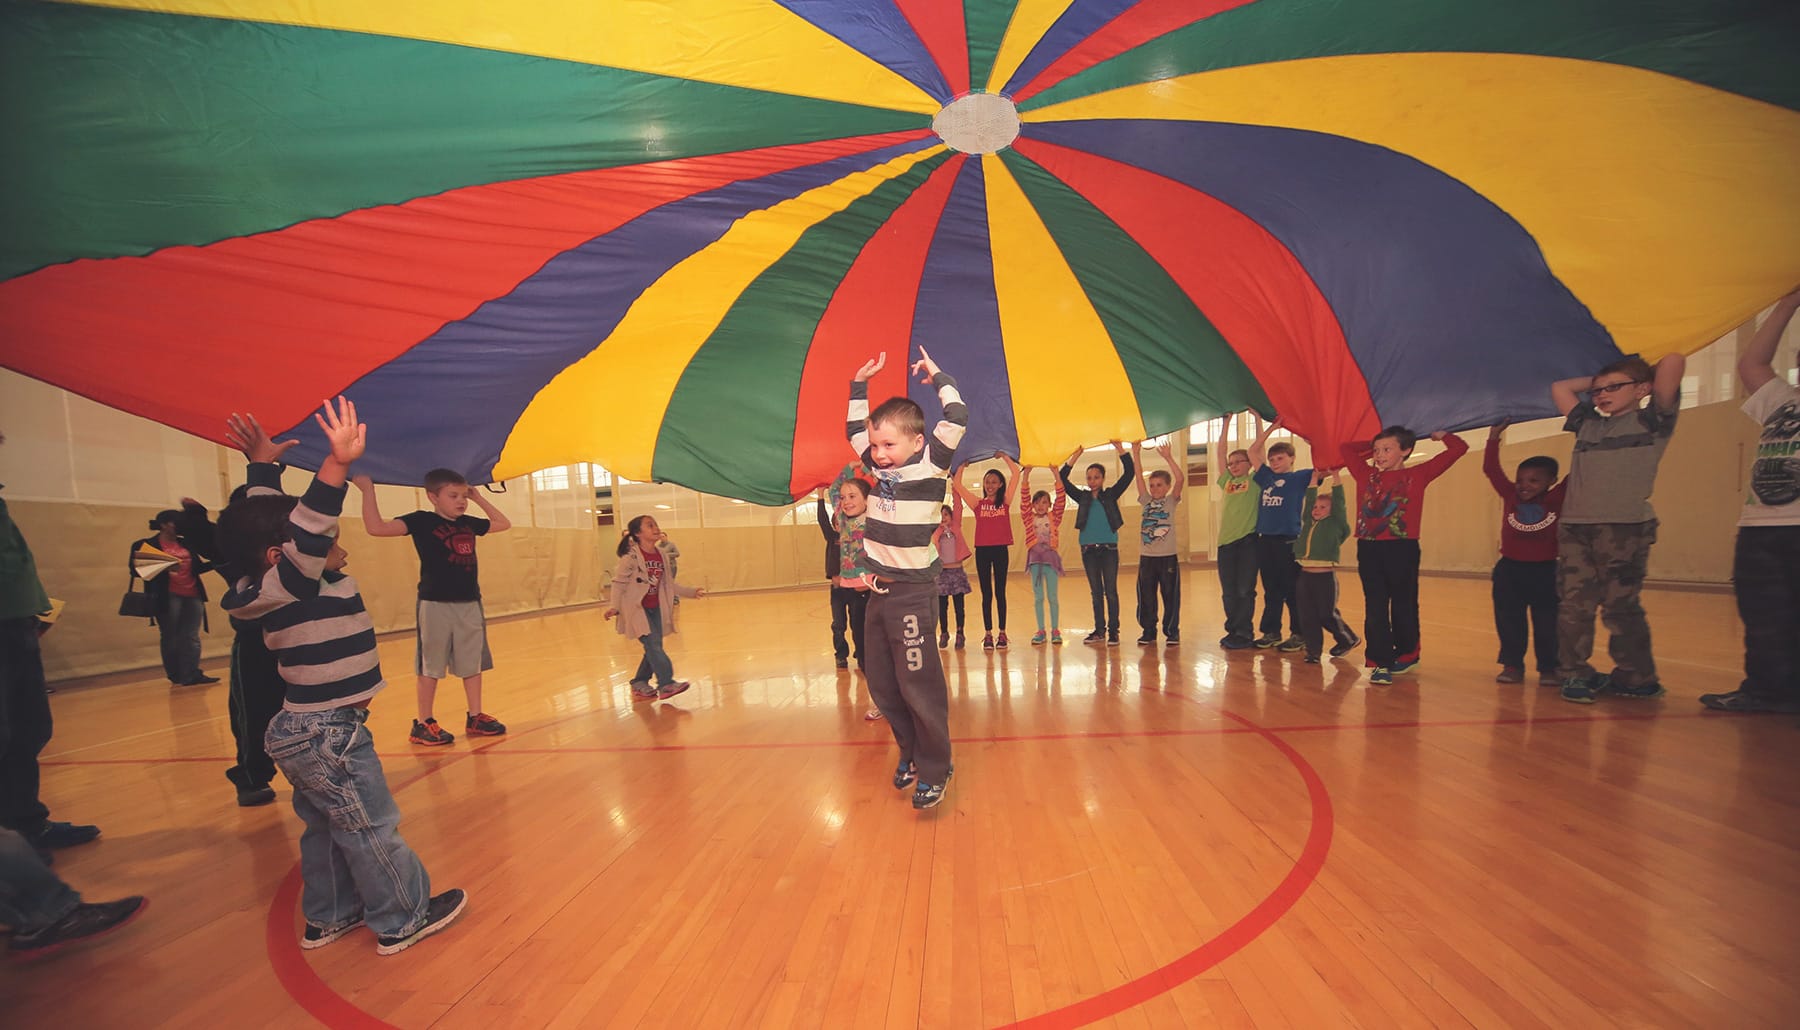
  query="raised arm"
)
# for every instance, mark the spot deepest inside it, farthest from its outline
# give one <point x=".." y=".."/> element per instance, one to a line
<point x="1177" y="474"/>
<point x="1339" y="516"/>
<point x="1454" y="448"/>
<point x="963" y="493"/>
<point x="1566" y="393"/>
<point x="1062" y="474"/>
<point x="1259" y="447"/>
<point x="857" y="427"/>
<point x="1127" y="469"/>
<point x="497" y="520"/>
<point x="1490" y="461"/>
<point x="1665" y="382"/>
<point x="1756" y="366"/>
<point x="1138" y="468"/>
<point x="371" y="512"/>
<point x="824" y="514"/>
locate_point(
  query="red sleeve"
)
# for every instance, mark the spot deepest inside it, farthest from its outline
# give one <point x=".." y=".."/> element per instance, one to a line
<point x="1356" y="455"/>
<point x="1490" y="464"/>
<point x="1454" y="448"/>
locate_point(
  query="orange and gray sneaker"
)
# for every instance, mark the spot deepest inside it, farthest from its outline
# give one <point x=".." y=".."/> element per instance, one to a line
<point x="430" y="734"/>
<point x="481" y="724"/>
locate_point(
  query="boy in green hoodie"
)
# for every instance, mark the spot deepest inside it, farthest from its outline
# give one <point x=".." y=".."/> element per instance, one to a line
<point x="1323" y="530"/>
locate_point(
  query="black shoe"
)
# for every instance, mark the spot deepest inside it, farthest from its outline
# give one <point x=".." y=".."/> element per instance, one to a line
<point x="1148" y="638"/>
<point x="254" y="796"/>
<point x="1112" y="640"/>
<point x="63" y="835"/>
<point x="904" y="775"/>
<point x="1291" y="644"/>
<point x="439" y="914"/>
<point x="318" y="936"/>
<point x="843" y="663"/>
<point x="1231" y="643"/>
<point x="86" y="921"/>
<point x="1312" y="659"/>
<point x="1096" y="637"/>
<point x="1267" y="640"/>
<point x="199" y="679"/>
<point x="1345" y="648"/>
<point x="1743" y="701"/>
<point x="928" y="795"/>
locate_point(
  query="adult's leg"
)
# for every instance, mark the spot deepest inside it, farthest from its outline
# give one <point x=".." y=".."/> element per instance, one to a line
<point x="193" y="615"/>
<point x="168" y="636"/>
<point x="25" y="725"/>
<point x="31" y="896"/>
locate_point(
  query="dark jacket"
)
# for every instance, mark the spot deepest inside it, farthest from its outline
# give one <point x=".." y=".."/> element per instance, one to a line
<point x="195" y="534"/>
<point x="831" y="542"/>
<point x="1109" y="497"/>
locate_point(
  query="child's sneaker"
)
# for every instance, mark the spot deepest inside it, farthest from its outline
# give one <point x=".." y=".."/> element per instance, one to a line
<point x="1231" y="643"/>
<point x="481" y="724"/>
<point x="1549" y="679"/>
<point x="1312" y="659"/>
<point x="1056" y="637"/>
<point x="1642" y="692"/>
<point x="430" y="734"/>
<point x="904" y="775"/>
<point x="959" y="640"/>
<point x="641" y="690"/>
<point x="1266" y="641"/>
<point x="669" y="690"/>
<point x="987" y="641"/>
<point x="1291" y="644"/>
<point x="87" y="920"/>
<point x="440" y="912"/>
<point x="1171" y="641"/>
<point x="928" y="795"/>
<point x="1147" y="638"/>
<point x="1583" y="690"/>
<point x="1096" y="637"/>
<point x="872" y="714"/>
<point x="317" y="936"/>
<point x="1000" y="641"/>
<point x="1382" y="676"/>
<point x="1340" y="650"/>
<point x="1038" y="638"/>
<point x="1112" y="639"/>
<point x="943" y="640"/>
<point x="1511" y="674"/>
<point x="1405" y="665"/>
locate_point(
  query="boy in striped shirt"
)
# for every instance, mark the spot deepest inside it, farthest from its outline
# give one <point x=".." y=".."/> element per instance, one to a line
<point x="355" y="866"/>
<point x="906" y="679"/>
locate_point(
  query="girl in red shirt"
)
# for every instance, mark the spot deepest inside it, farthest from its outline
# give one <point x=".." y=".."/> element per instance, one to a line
<point x="993" y="545"/>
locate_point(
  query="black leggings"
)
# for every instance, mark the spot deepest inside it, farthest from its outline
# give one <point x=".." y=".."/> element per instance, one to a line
<point x="990" y="568"/>
<point x="944" y="611"/>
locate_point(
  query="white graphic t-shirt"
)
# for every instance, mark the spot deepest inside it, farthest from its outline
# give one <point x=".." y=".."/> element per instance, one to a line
<point x="1774" y="498"/>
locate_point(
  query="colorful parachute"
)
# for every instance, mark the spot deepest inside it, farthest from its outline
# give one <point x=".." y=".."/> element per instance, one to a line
<point x="662" y="235"/>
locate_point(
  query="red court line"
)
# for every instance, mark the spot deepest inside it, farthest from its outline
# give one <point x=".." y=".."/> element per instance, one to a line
<point x="789" y="745"/>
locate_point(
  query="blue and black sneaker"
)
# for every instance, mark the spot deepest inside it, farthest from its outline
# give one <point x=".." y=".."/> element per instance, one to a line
<point x="904" y="775"/>
<point x="1585" y="690"/>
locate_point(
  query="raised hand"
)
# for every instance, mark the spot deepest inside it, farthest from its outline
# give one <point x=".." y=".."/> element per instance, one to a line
<point x="1439" y="435"/>
<point x="1497" y="429"/>
<point x="925" y="365"/>
<point x="870" y="367"/>
<point x="348" y="438"/>
<point x="246" y="434"/>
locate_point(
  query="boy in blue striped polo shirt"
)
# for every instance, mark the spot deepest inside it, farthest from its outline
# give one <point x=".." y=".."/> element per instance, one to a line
<point x="355" y="866"/>
<point x="906" y="679"/>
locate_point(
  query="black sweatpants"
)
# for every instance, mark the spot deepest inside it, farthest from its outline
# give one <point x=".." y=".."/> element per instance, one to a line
<point x="1275" y="560"/>
<point x="1159" y="577"/>
<point x="24" y="725"/>
<point x="1765" y="573"/>
<point x="1525" y="604"/>
<point x="848" y="608"/>
<point x="906" y="679"/>
<point x="1390" y="577"/>
<point x="254" y="696"/>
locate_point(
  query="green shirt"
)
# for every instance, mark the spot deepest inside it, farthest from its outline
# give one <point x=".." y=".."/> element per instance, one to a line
<point x="1243" y="498"/>
<point x="21" y="594"/>
<point x="1322" y="540"/>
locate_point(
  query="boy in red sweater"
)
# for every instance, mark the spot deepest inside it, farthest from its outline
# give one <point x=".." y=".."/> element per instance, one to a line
<point x="1525" y="575"/>
<point x="1390" y="506"/>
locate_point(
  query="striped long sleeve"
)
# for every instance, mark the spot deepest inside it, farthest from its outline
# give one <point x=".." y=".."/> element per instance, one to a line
<point x="906" y="507"/>
<point x="313" y="620"/>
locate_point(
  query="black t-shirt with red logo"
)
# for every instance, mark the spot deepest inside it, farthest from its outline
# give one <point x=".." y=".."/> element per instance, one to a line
<point x="447" y="570"/>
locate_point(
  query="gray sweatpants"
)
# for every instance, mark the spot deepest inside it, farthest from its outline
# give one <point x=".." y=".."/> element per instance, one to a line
<point x="905" y="677"/>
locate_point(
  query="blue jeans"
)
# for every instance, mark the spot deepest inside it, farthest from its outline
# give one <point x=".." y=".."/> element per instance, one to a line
<point x="352" y="858"/>
<point x="655" y="660"/>
<point x="1101" y="562"/>
<point x="31" y="896"/>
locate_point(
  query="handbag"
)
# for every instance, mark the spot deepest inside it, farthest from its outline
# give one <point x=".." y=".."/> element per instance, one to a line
<point x="137" y="604"/>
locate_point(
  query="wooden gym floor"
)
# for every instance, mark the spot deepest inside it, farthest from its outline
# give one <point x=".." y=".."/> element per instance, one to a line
<point x="1134" y="837"/>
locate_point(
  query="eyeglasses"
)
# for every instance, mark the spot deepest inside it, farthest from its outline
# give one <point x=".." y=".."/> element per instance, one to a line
<point x="1613" y="387"/>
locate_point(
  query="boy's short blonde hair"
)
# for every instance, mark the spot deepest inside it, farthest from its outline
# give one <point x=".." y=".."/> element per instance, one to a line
<point x="1281" y="447"/>
<point x="901" y="413"/>
<point x="1159" y="474"/>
